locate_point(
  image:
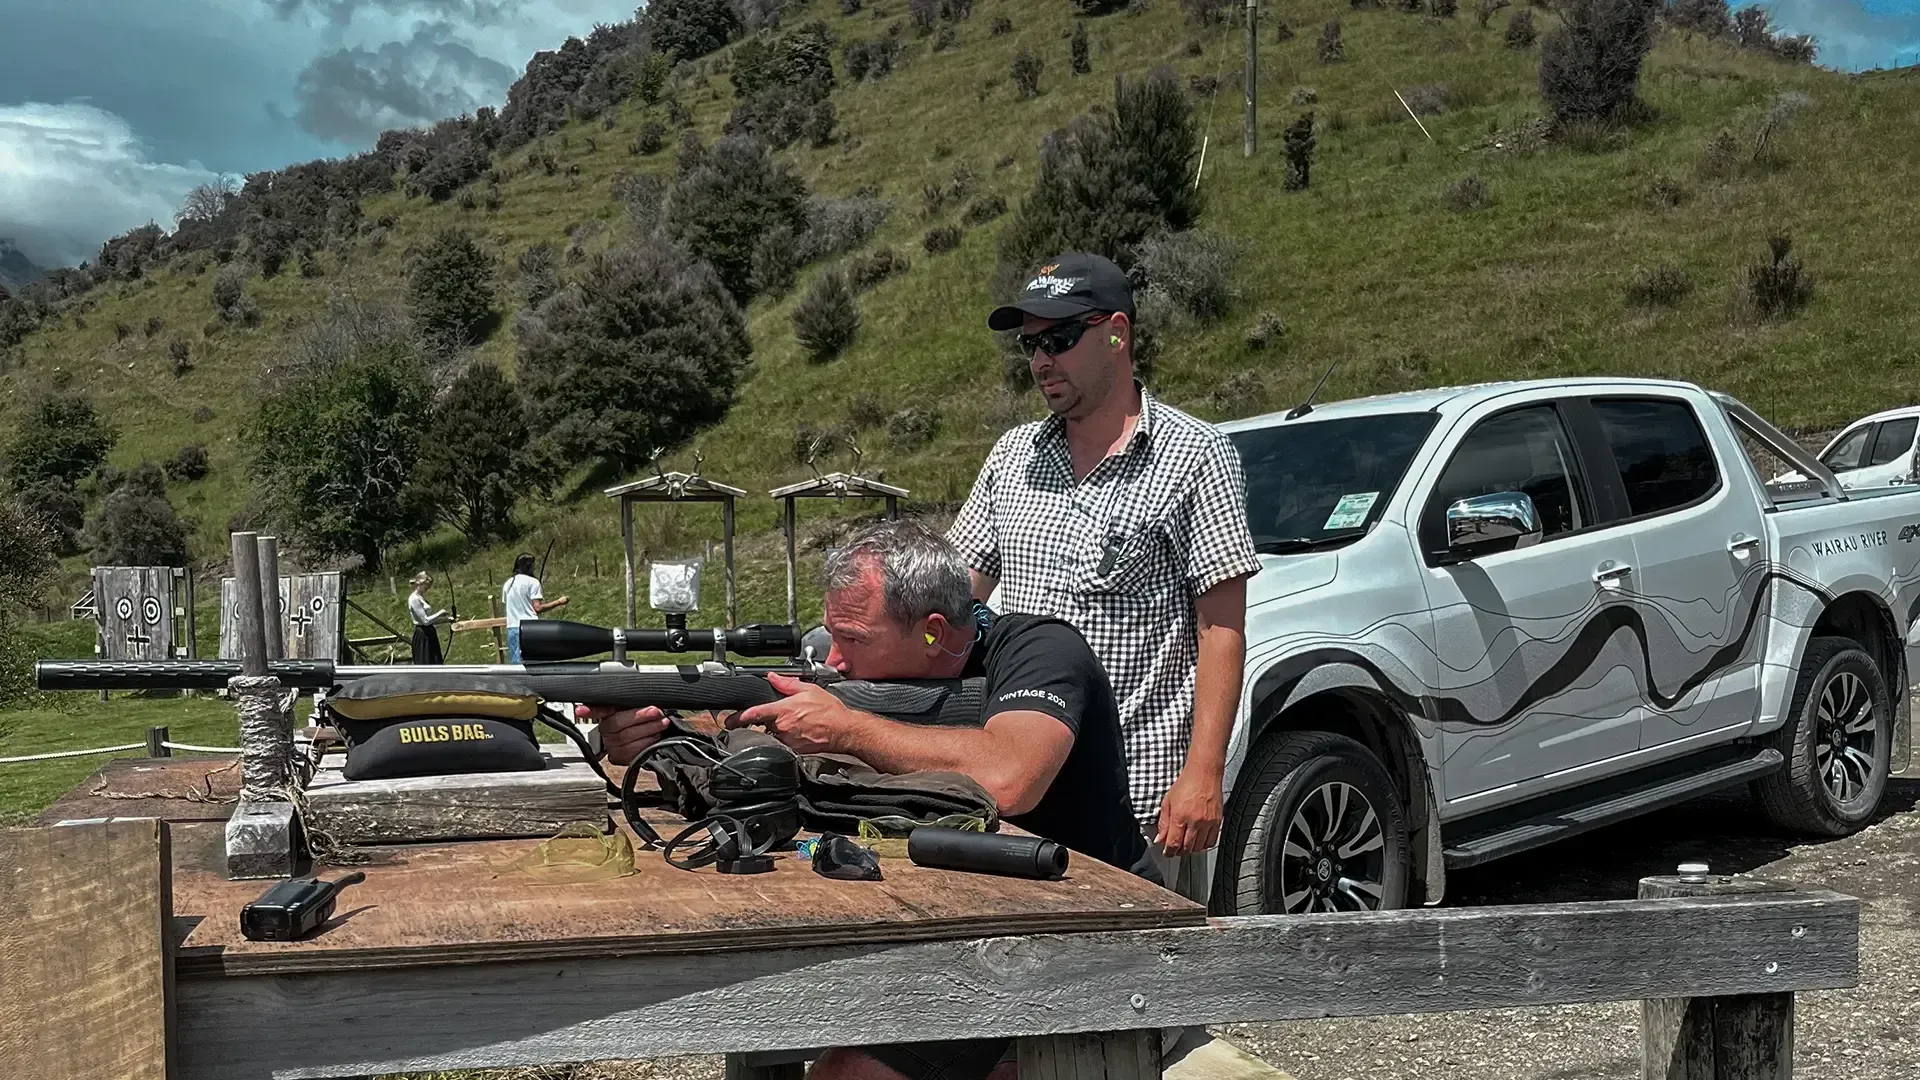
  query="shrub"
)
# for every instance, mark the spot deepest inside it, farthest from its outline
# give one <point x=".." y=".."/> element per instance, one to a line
<point x="983" y="210"/>
<point x="776" y="259"/>
<point x="1780" y="286"/>
<point x="1660" y="286"/>
<point x="1266" y="330"/>
<point x="1709" y="17"/>
<point x="1001" y="26"/>
<point x="188" y="464"/>
<point x="1282" y="32"/>
<point x="1299" y="148"/>
<point x="645" y="348"/>
<point x="57" y="507"/>
<point x="820" y="122"/>
<point x="451" y="288"/>
<point x="731" y="196"/>
<point x="1026" y="74"/>
<point x="941" y="239"/>
<point x="479" y="457"/>
<point x="649" y="139"/>
<point x="864" y="272"/>
<point x="1304" y="95"/>
<point x="1721" y="154"/>
<point x="1109" y="179"/>
<point x="1204" y="85"/>
<point x="202" y="414"/>
<point x="1766" y="148"/>
<point x="869" y="60"/>
<point x="137" y="526"/>
<point x="654" y="69"/>
<point x="27" y="564"/>
<point x="866" y="411"/>
<point x="1443" y="9"/>
<point x="1193" y="269"/>
<point x="230" y="297"/>
<point x="1520" y="30"/>
<point x="912" y="428"/>
<point x="181" y="355"/>
<point x="1077" y="49"/>
<point x="1590" y="65"/>
<point x="835" y="226"/>
<point x="1467" y="194"/>
<point x="60" y="440"/>
<point x="538" y="280"/>
<point x="826" y="320"/>
<point x="1332" y="50"/>
<point x="689" y="29"/>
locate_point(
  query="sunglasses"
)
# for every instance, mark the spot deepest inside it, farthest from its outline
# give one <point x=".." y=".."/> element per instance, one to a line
<point x="1057" y="339"/>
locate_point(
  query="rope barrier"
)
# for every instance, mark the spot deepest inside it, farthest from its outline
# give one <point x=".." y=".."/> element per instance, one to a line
<point x="201" y="749"/>
<point x="118" y="749"/>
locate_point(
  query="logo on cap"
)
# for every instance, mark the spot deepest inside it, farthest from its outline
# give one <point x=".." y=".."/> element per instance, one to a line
<point x="1053" y="286"/>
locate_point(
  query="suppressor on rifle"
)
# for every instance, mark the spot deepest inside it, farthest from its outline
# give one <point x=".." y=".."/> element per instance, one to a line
<point x="986" y="853"/>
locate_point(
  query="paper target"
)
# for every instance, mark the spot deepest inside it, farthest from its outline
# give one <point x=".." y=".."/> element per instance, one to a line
<point x="150" y="608"/>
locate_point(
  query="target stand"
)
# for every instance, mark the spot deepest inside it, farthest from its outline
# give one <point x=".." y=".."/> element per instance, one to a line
<point x="143" y="613"/>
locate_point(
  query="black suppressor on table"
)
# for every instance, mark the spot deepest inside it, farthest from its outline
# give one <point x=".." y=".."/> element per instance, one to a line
<point x="986" y="853"/>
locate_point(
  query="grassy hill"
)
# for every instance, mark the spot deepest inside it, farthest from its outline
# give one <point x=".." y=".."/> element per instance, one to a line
<point x="1466" y="251"/>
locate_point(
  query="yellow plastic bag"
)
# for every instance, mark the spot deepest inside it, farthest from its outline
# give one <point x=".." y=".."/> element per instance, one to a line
<point x="887" y="837"/>
<point x="578" y="852"/>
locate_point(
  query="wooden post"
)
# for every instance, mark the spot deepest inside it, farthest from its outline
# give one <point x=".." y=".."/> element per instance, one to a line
<point x="246" y="591"/>
<point x="273" y="611"/>
<point x="1106" y="1055"/>
<point x="1253" y="85"/>
<point x="793" y="603"/>
<point x="726" y="539"/>
<point x="157" y="742"/>
<point x="1737" y="1037"/>
<point x="626" y="542"/>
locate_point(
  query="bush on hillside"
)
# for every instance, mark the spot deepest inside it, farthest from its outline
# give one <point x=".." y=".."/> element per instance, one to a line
<point x="187" y="464"/>
<point x="1078" y="51"/>
<point x="827" y="319"/>
<point x="652" y="78"/>
<point x="644" y="349"/>
<point x="649" y="139"/>
<point x="538" y="279"/>
<point x="1709" y="17"/>
<point x="1298" y="142"/>
<point x="733" y="194"/>
<point x="451" y="288"/>
<point x="866" y="271"/>
<point x="689" y="29"/>
<point x="836" y="225"/>
<point x="1443" y="9"/>
<point x="868" y="60"/>
<point x="1109" y="179"/>
<point x="447" y="171"/>
<point x="230" y="297"/>
<point x="1590" y="65"/>
<point x="913" y="427"/>
<point x="137" y="526"/>
<point x="59" y="510"/>
<point x="61" y="438"/>
<point x="866" y="410"/>
<point x="941" y="239"/>
<point x="1026" y="74"/>
<point x="983" y="210"/>
<point x="1193" y="268"/>
<point x="1520" y="31"/>
<point x="776" y="259"/>
<point x="1779" y="286"/>
<point x="478" y="458"/>
<point x="26" y="565"/>
<point x="1282" y="32"/>
<point x="335" y="440"/>
<point x="1659" y="286"/>
<point x="1266" y="330"/>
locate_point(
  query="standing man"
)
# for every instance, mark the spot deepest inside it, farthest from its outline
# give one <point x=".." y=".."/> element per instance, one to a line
<point x="1126" y="518"/>
<point x="522" y="598"/>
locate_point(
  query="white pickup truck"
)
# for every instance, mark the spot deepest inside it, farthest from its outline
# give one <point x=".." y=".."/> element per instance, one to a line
<point x="1494" y="617"/>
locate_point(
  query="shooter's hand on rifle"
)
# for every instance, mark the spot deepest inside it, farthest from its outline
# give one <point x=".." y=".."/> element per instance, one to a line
<point x="625" y="733"/>
<point x="807" y="718"/>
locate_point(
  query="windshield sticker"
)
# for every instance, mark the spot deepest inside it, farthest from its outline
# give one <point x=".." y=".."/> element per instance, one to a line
<point x="1351" y="510"/>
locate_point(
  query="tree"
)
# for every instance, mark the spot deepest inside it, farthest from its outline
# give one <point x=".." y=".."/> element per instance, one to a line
<point x="451" y="287"/>
<point x="1590" y="65"/>
<point x="689" y="29"/>
<point x="1110" y="178"/>
<point x="58" y="508"/>
<point x="647" y="346"/>
<point x="26" y="563"/>
<point x="726" y="199"/>
<point x="334" y="448"/>
<point x="61" y="439"/>
<point x="826" y="319"/>
<point x="136" y="525"/>
<point x="476" y="461"/>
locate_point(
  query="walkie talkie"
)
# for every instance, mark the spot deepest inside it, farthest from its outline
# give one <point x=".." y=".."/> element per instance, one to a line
<point x="293" y="909"/>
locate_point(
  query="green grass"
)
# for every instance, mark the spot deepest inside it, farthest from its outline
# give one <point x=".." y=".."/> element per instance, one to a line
<point x="1368" y="268"/>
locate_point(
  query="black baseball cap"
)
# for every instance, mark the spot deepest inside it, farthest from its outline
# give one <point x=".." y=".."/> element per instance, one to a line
<point x="1065" y="286"/>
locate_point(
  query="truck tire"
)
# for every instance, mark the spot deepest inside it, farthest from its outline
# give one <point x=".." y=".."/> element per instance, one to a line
<point x="1316" y="826"/>
<point x="1837" y="740"/>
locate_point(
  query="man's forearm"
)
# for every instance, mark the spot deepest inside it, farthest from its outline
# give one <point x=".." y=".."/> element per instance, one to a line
<point x="1004" y="770"/>
<point x="1216" y="693"/>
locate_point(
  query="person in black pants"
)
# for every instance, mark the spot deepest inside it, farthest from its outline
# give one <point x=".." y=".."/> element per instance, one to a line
<point x="426" y="635"/>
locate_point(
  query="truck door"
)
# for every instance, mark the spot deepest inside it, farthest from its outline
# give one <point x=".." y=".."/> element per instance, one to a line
<point x="1699" y="565"/>
<point x="1889" y="457"/>
<point x="1530" y="679"/>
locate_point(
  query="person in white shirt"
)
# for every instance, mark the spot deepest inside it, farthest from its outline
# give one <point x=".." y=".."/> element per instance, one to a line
<point x="523" y="600"/>
<point x="426" y="639"/>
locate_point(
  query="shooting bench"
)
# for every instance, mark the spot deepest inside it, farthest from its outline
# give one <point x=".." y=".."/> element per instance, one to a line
<point x="120" y="956"/>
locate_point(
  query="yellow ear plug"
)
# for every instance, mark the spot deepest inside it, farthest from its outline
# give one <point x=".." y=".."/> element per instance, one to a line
<point x="929" y="639"/>
<point x="1115" y="339"/>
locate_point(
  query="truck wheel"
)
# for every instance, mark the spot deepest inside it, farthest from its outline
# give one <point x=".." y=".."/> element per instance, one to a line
<point x="1837" y="742"/>
<point x="1318" y="826"/>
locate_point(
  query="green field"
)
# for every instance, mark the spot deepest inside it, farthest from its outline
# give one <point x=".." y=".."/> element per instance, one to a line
<point x="1371" y="268"/>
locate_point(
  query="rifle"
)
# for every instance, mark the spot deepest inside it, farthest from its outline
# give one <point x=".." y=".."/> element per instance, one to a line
<point x="555" y="671"/>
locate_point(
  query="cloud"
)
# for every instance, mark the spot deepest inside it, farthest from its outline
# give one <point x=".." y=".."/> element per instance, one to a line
<point x="1852" y="35"/>
<point x="351" y="95"/>
<point x="73" y="175"/>
<point x="342" y="12"/>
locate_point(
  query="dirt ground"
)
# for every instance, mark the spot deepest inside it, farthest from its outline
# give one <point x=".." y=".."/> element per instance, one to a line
<point x="1870" y="1032"/>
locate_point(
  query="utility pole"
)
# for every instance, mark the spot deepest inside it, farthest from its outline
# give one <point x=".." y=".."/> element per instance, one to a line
<point x="1253" y="87"/>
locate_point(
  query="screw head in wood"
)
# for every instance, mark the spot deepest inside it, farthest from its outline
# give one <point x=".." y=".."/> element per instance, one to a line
<point x="1773" y="966"/>
<point x="1139" y="1002"/>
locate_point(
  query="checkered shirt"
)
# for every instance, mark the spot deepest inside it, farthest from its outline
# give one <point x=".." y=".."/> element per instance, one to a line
<point x="1171" y="507"/>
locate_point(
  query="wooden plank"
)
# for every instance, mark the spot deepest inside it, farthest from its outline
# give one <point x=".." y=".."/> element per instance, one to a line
<point x="312" y="626"/>
<point x="86" y="972"/>
<point x="1262" y="968"/>
<point x="135" y="607"/>
<point x="1091" y="1055"/>
<point x="467" y="806"/>
<point x="444" y="903"/>
<point x="1737" y="1037"/>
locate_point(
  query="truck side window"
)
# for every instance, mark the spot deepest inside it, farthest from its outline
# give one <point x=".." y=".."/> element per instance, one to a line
<point x="1661" y="451"/>
<point x="1525" y="450"/>
<point x="1846" y="453"/>
<point x="1893" y="440"/>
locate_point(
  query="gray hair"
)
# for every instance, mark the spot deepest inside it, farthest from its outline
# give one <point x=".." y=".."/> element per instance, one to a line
<point x="920" y="572"/>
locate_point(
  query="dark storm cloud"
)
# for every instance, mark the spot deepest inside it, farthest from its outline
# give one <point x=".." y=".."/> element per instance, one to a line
<point x="352" y="95"/>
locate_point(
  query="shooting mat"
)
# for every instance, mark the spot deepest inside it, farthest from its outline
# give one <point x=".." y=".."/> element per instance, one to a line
<point x="312" y="608"/>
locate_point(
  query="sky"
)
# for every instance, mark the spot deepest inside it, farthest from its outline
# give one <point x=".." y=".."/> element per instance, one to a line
<point x="112" y="110"/>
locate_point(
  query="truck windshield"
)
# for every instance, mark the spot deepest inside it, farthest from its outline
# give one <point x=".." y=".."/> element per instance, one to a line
<point x="1322" y="484"/>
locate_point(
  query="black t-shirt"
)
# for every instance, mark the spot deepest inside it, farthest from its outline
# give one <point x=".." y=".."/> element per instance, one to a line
<point x="1034" y="663"/>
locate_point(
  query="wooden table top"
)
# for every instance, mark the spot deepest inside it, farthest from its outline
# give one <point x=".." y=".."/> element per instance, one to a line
<point x="464" y="902"/>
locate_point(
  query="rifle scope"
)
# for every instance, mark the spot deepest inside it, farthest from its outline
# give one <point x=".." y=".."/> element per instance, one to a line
<point x="557" y="639"/>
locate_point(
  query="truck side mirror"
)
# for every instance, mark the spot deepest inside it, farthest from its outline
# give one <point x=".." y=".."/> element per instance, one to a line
<point x="1500" y="521"/>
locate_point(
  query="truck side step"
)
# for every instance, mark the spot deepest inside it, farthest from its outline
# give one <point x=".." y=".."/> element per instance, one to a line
<point x="1520" y="828"/>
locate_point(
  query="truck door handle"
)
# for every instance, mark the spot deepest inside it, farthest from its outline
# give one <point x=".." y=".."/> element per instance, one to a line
<point x="1611" y="571"/>
<point x="1743" y="542"/>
